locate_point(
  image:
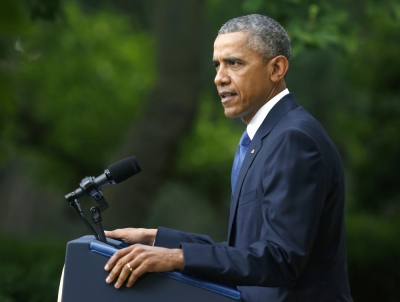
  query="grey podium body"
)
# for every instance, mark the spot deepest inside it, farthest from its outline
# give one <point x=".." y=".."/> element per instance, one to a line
<point x="84" y="279"/>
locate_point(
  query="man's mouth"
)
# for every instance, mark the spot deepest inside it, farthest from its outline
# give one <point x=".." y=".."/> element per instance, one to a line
<point x="225" y="95"/>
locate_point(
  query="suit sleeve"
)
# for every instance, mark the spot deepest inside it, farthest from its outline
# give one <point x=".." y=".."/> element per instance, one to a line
<point x="171" y="238"/>
<point x="292" y="201"/>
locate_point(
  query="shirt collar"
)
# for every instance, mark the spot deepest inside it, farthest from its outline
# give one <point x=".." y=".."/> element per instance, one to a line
<point x="262" y="113"/>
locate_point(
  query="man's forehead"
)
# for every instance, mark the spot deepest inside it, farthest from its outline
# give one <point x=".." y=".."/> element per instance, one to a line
<point x="229" y="39"/>
<point x="230" y="44"/>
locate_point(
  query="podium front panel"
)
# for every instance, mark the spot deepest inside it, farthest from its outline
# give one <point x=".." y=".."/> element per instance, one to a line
<point x="84" y="281"/>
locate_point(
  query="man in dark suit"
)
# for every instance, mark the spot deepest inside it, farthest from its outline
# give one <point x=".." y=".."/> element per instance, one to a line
<point x="286" y="234"/>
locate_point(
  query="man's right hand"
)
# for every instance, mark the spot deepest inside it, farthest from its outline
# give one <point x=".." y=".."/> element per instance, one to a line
<point x="132" y="235"/>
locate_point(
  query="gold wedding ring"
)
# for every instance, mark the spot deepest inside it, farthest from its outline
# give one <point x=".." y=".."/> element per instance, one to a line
<point x="131" y="269"/>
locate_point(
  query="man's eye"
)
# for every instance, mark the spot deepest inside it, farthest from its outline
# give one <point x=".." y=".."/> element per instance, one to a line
<point x="233" y="63"/>
<point x="216" y="65"/>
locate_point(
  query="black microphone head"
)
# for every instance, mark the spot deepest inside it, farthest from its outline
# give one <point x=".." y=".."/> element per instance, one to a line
<point x="124" y="169"/>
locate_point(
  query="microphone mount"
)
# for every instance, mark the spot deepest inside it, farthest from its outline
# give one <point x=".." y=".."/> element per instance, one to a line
<point x="89" y="187"/>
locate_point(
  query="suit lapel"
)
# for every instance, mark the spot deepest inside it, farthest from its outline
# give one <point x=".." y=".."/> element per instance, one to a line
<point x="286" y="104"/>
<point x="248" y="160"/>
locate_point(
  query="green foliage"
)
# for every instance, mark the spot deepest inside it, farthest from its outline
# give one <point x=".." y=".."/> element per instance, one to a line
<point x="205" y="156"/>
<point x="374" y="72"/>
<point x="373" y="257"/>
<point x="30" y="270"/>
<point x="310" y="24"/>
<point x="81" y="81"/>
<point x="13" y="17"/>
<point x="370" y="239"/>
<point x="44" y="9"/>
<point x="196" y="214"/>
<point x="324" y="27"/>
<point x="213" y="140"/>
<point x="13" y="21"/>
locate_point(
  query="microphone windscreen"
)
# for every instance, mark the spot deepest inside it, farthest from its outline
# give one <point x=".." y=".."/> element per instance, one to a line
<point x="124" y="169"/>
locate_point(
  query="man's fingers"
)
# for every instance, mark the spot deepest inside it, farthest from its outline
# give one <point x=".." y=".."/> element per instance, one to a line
<point x="128" y="235"/>
<point x="125" y="272"/>
<point x="133" y="235"/>
<point x="115" y="271"/>
<point x="118" y="264"/>
<point x="141" y="259"/>
<point x="115" y="260"/>
<point x="140" y="264"/>
<point x="113" y="234"/>
<point x="118" y="270"/>
<point x="136" y="273"/>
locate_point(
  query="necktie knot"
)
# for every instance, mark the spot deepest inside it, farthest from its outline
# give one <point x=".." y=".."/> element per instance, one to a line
<point x="245" y="139"/>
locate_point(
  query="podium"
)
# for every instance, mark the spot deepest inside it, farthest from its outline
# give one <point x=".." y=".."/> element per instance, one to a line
<point x="84" y="279"/>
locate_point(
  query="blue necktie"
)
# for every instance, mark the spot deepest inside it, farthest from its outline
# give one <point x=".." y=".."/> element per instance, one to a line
<point x="239" y="157"/>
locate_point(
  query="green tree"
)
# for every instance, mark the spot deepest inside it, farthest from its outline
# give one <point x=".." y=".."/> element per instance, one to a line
<point x="76" y="84"/>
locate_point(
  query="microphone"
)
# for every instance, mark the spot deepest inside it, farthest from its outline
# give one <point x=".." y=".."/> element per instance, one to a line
<point x="115" y="173"/>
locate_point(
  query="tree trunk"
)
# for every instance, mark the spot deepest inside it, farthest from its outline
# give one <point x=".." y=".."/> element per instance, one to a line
<point x="169" y="111"/>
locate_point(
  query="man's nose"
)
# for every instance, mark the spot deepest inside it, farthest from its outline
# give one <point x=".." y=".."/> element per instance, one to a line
<point x="221" y="78"/>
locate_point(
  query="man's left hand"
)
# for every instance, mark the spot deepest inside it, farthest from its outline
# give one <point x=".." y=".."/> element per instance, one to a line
<point x="132" y="262"/>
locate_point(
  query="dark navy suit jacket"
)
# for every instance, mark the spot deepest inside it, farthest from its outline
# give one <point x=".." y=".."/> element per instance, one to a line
<point x="286" y="235"/>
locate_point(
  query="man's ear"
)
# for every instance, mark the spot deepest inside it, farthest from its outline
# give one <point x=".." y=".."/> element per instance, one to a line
<point x="279" y="66"/>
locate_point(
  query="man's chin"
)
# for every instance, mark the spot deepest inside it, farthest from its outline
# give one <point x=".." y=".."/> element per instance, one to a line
<point x="230" y="113"/>
<point x="233" y="114"/>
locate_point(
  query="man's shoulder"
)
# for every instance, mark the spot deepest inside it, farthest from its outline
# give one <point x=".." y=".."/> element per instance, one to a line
<point x="298" y="118"/>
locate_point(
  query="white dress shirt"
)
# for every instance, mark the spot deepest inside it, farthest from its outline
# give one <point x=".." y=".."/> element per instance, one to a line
<point x="261" y="114"/>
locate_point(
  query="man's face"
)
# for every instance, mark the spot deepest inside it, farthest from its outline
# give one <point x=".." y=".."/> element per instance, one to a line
<point x="243" y="79"/>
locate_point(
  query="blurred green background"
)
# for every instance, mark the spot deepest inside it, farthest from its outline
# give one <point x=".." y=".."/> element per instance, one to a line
<point x="88" y="82"/>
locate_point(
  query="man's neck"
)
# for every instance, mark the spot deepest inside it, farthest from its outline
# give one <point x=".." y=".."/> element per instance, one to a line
<point x="262" y="113"/>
